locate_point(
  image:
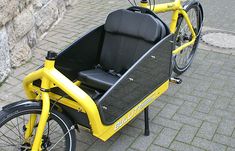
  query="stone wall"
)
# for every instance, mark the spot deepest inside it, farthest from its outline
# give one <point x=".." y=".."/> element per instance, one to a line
<point x="22" y="23"/>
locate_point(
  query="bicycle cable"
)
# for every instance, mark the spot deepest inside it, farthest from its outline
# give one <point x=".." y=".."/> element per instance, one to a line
<point x="135" y="3"/>
<point x="154" y="3"/>
<point x="130" y="2"/>
<point x="150" y="4"/>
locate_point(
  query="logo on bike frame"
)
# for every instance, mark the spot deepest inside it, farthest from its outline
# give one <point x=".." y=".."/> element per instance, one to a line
<point x="133" y="112"/>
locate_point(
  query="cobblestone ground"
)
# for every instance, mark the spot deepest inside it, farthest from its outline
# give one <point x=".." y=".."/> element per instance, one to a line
<point x="197" y="115"/>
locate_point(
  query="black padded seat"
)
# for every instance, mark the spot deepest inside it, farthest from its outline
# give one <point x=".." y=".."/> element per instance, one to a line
<point x="98" y="78"/>
<point x="127" y="36"/>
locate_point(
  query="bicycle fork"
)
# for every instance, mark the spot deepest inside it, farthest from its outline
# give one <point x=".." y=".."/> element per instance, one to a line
<point x="43" y="117"/>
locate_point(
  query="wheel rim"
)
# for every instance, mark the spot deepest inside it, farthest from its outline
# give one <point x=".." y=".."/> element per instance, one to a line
<point x="184" y="58"/>
<point x="12" y="135"/>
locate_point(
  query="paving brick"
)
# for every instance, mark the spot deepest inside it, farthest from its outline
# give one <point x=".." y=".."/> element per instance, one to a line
<point x="12" y="81"/>
<point x="165" y="137"/>
<point x="187" y="108"/>
<point x="168" y="111"/>
<point x="230" y="108"/>
<point x="223" y="114"/>
<point x="230" y="149"/>
<point x="208" y="145"/>
<point x="167" y="123"/>
<point x="154" y="128"/>
<point x="206" y="117"/>
<point x="232" y="102"/>
<point x="207" y="130"/>
<point x="187" y="120"/>
<point x="5" y="87"/>
<point x="99" y="146"/>
<point x="158" y="103"/>
<point x="131" y="149"/>
<point x="115" y="136"/>
<point x="173" y="89"/>
<point x="131" y="131"/>
<point x="157" y="148"/>
<point x="219" y="92"/>
<point x="218" y="83"/>
<point x="9" y="97"/>
<point x="186" y="134"/>
<point x="188" y="97"/>
<point x="3" y="103"/>
<point x="186" y="87"/>
<point x="122" y="143"/>
<point x="85" y="137"/>
<point x="22" y="76"/>
<point x="226" y="127"/>
<point x="205" y="105"/>
<point x="170" y="100"/>
<point x="203" y="108"/>
<point x="206" y="95"/>
<point x="203" y="86"/>
<point x="82" y="146"/>
<point x="15" y="89"/>
<point x="178" y="146"/>
<point x="222" y="139"/>
<point x="143" y="142"/>
<point x="222" y="102"/>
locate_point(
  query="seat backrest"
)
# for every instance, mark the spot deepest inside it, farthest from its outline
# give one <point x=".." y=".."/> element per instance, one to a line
<point x="128" y="35"/>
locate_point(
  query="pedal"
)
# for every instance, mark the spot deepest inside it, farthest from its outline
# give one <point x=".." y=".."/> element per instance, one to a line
<point x="175" y="80"/>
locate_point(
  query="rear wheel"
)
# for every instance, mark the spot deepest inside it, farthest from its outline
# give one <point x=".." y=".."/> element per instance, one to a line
<point x="183" y="60"/>
<point x="58" y="135"/>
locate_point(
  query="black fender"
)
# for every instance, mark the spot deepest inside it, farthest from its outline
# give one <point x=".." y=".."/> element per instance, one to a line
<point x="22" y="103"/>
<point x="73" y="115"/>
<point x="187" y="4"/>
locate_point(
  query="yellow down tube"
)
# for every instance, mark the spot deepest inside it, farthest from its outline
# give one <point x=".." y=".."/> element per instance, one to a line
<point x="177" y="9"/>
<point x="179" y="49"/>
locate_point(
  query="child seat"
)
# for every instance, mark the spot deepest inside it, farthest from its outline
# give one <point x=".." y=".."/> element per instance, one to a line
<point x="127" y="36"/>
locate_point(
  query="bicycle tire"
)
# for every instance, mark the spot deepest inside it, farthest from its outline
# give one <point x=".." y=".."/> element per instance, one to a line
<point x="7" y="127"/>
<point x="176" y="66"/>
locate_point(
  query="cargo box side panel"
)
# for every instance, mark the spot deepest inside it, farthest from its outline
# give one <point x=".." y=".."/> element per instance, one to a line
<point x="146" y="75"/>
<point x="83" y="54"/>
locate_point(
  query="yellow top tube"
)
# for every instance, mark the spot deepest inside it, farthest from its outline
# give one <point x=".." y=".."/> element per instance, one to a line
<point x="165" y="7"/>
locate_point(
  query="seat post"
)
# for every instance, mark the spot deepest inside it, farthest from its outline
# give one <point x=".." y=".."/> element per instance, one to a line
<point x="146" y="121"/>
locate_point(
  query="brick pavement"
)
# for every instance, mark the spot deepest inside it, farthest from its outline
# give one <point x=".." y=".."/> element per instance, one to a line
<point x="196" y="115"/>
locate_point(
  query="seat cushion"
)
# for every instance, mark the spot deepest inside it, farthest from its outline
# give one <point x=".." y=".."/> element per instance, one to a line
<point x="128" y="35"/>
<point x="119" y="52"/>
<point x="97" y="78"/>
<point x="135" y="24"/>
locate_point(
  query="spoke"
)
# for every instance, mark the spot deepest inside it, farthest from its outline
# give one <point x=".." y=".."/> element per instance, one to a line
<point x="55" y="138"/>
<point x="6" y="141"/>
<point x="18" y="127"/>
<point x="46" y="129"/>
<point x="184" y="57"/>
<point x="9" y="139"/>
<point x="14" y="126"/>
<point x="7" y="146"/>
<point x="57" y="148"/>
<point x="72" y="127"/>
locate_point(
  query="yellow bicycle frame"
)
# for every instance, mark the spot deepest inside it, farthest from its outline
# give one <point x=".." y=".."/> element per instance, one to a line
<point x="82" y="102"/>
<point x="177" y="9"/>
<point x="51" y="77"/>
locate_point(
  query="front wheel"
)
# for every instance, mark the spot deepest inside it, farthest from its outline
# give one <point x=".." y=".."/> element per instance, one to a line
<point x="59" y="134"/>
<point x="183" y="60"/>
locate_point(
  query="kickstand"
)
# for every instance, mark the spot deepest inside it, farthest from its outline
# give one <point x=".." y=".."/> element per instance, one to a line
<point x="146" y="121"/>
